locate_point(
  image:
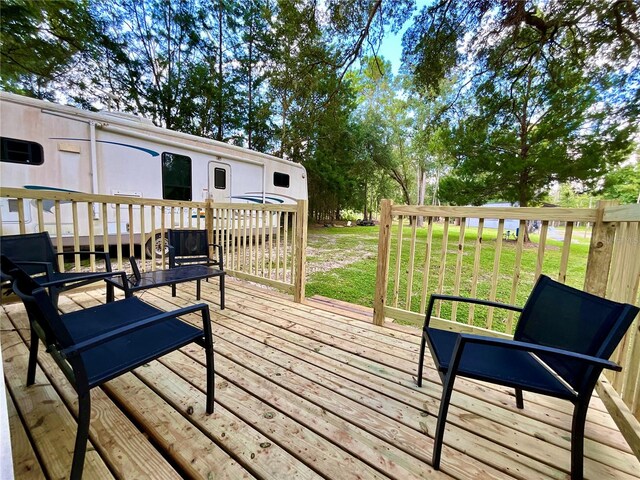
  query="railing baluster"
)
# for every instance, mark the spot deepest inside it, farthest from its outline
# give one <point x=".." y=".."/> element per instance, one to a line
<point x="542" y="243"/>
<point x="59" y="244"/>
<point x="119" y="235"/>
<point x="92" y="240"/>
<point x="21" y="220"/>
<point x="516" y="274"/>
<point x="396" y="279"/>
<point x="476" y="269"/>
<point x="256" y="241"/>
<point x="427" y="264"/>
<point x="105" y="228"/>
<point x="244" y="238"/>
<point x="264" y="243"/>
<point x="226" y="235"/>
<point x="143" y="239"/>
<point x="456" y="286"/>
<point x="76" y="234"/>
<point x="40" y="209"/>
<point x="163" y="233"/>
<point x="443" y="261"/>
<point x="412" y="257"/>
<point x="277" y="215"/>
<point x="496" y="272"/>
<point x="566" y="250"/>
<point x="152" y="238"/>
<point x="287" y="216"/>
<point x="270" y="259"/>
<point x="131" y="230"/>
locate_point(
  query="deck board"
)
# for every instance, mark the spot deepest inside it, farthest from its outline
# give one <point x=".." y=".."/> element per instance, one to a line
<point x="304" y="391"/>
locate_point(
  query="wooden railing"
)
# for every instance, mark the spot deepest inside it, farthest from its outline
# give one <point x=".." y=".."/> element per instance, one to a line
<point x="262" y="243"/>
<point x="474" y="251"/>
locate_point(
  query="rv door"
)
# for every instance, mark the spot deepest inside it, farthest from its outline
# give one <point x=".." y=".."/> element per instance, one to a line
<point x="219" y="182"/>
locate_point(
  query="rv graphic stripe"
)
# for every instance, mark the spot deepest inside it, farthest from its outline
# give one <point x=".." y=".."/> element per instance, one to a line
<point x="153" y="153"/>
<point x="258" y="199"/>
<point x="48" y="205"/>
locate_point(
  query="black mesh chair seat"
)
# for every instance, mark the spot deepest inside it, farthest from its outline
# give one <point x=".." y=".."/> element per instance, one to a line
<point x="111" y="358"/>
<point x="34" y="253"/>
<point x="94" y="345"/>
<point x="561" y="344"/>
<point x="495" y="364"/>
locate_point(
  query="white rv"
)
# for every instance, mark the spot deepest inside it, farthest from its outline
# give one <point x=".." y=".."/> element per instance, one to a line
<point x="54" y="147"/>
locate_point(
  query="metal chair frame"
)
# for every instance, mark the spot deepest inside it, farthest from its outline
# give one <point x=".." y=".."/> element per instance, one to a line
<point x="72" y="351"/>
<point x="579" y="395"/>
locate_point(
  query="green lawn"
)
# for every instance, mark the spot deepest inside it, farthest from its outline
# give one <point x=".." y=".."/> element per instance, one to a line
<point x="342" y="265"/>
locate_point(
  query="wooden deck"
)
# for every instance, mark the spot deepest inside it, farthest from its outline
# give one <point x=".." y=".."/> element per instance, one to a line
<point x="302" y="391"/>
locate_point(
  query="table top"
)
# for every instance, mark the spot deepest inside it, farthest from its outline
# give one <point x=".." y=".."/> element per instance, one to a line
<point x="169" y="276"/>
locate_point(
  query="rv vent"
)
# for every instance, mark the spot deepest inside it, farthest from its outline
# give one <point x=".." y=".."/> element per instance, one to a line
<point x="132" y="117"/>
<point x="68" y="147"/>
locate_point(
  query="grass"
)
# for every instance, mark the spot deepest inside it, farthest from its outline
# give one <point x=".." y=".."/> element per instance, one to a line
<point x="342" y="264"/>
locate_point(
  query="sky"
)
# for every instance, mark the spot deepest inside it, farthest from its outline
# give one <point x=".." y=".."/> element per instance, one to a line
<point x="391" y="47"/>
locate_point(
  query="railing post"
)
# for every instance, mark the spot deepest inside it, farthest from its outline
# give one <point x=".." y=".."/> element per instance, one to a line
<point x="382" y="272"/>
<point x="208" y="225"/>
<point x="600" y="252"/>
<point x="301" y="251"/>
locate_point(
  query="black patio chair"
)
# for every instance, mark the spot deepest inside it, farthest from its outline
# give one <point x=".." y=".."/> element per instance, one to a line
<point x="561" y="344"/>
<point x="34" y="253"/>
<point x="192" y="247"/>
<point x="94" y="345"/>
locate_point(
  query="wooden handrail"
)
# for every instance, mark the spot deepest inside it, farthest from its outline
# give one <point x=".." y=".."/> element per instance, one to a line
<point x="255" y="236"/>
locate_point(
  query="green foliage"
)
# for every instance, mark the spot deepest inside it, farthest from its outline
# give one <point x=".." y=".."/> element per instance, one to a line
<point x="514" y="94"/>
<point x="533" y="106"/>
<point x="41" y="43"/>
<point x="623" y="184"/>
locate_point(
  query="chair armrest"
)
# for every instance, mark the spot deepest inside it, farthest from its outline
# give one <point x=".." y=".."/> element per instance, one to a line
<point x="535" y="348"/>
<point x="118" y="332"/>
<point x="47" y="266"/>
<point x="88" y="276"/>
<point x="477" y="301"/>
<point x="220" y="259"/>
<point x="107" y="258"/>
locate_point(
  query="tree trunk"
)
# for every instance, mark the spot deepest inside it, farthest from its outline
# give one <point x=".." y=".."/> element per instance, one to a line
<point x="220" y="107"/>
<point x="422" y="186"/>
<point x="250" y="93"/>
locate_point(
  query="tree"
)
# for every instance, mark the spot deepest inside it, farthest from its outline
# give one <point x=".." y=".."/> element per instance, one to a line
<point x="623" y="184"/>
<point x="592" y="35"/>
<point x="533" y="106"/>
<point x="255" y="54"/>
<point x="146" y="58"/>
<point x="42" y="43"/>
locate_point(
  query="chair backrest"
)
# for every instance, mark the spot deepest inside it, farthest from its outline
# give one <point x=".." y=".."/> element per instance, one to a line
<point x="191" y="246"/>
<point x="30" y="247"/>
<point x="564" y="317"/>
<point x="39" y="306"/>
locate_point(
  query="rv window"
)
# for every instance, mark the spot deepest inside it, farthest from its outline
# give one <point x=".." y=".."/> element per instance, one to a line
<point x="280" y="180"/>
<point x="176" y="177"/>
<point x="219" y="178"/>
<point x="21" y="151"/>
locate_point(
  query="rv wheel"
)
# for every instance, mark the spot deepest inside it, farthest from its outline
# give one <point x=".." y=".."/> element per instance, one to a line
<point x="158" y="243"/>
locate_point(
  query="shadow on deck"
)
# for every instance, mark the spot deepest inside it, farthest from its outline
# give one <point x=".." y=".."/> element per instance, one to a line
<point x="302" y="391"/>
